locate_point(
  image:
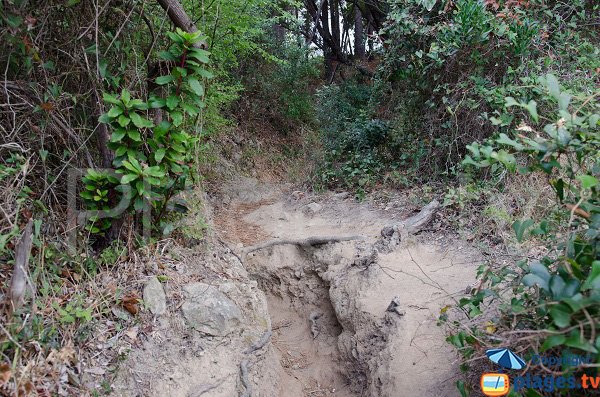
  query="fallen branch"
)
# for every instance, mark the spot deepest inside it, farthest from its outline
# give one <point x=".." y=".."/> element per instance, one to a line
<point x="18" y="281"/>
<point x="307" y="242"/>
<point x="413" y="224"/>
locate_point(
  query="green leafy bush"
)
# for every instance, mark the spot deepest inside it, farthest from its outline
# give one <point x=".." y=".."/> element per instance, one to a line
<point x="453" y="63"/>
<point x="152" y="160"/>
<point x="552" y="306"/>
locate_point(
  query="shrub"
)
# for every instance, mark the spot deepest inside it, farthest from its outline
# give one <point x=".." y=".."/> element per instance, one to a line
<point x="551" y="305"/>
<point x="152" y="160"/>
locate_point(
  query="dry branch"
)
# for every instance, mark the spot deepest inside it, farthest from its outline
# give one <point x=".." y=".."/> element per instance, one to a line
<point x="415" y="223"/>
<point x="306" y="242"/>
<point x="19" y="277"/>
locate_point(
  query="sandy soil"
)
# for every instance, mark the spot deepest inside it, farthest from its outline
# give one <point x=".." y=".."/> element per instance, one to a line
<point x="425" y="274"/>
<point x="324" y="309"/>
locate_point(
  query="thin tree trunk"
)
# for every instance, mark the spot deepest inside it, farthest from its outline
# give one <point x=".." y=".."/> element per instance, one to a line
<point x="359" y="34"/>
<point x="335" y="22"/>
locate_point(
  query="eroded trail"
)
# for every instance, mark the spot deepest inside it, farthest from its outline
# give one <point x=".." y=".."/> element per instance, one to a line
<point x="342" y="291"/>
<point x="351" y="318"/>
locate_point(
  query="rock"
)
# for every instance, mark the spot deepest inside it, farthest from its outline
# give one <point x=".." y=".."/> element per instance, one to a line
<point x="154" y="297"/>
<point x="394" y="307"/>
<point x="210" y="311"/>
<point x="387" y="231"/>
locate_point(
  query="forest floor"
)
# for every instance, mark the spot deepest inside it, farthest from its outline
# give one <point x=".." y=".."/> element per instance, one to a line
<point x="342" y="319"/>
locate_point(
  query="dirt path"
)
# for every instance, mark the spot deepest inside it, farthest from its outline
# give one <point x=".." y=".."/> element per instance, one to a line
<point x="361" y="349"/>
<point x="354" y="318"/>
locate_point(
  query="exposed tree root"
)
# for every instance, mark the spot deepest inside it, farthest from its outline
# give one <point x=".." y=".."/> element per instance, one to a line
<point x="306" y="242"/>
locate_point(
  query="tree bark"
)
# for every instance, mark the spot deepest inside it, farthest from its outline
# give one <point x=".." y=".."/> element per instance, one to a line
<point x="180" y="18"/>
<point x="335" y="22"/>
<point x="359" y="34"/>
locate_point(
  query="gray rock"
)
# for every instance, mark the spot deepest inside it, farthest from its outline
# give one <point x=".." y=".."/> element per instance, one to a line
<point x="154" y="296"/>
<point x="210" y="311"/>
<point x="394" y="307"/>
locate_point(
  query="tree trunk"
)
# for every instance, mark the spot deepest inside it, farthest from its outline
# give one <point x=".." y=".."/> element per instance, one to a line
<point x="180" y="18"/>
<point x="103" y="135"/>
<point x="335" y="22"/>
<point x="359" y="34"/>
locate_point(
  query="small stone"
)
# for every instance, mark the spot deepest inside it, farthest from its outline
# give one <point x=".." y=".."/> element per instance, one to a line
<point x="387" y="231"/>
<point x="394" y="307"/>
<point x="154" y="297"/>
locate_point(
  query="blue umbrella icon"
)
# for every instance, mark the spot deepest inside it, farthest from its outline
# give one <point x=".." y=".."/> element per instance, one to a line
<point x="505" y="358"/>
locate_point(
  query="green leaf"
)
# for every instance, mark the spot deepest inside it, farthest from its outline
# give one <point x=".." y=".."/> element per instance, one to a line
<point x="196" y="86"/>
<point x="561" y="315"/>
<point x="199" y="55"/>
<point x="110" y="99"/>
<point x="587" y="181"/>
<point x="125" y="96"/>
<point x="135" y="135"/>
<point x="123" y="120"/>
<point x="162" y="80"/>
<point x="141" y="122"/>
<point x="460" y="385"/>
<point x="126" y="179"/>
<point x="559" y="186"/>
<point x="166" y="55"/>
<point x="538" y="275"/>
<point x="510" y="101"/>
<point x="505" y="140"/>
<point x="520" y="227"/>
<point x="114" y="112"/>
<point x="156" y="102"/>
<point x="177" y="118"/>
<point x="593" y="280"/>
<point x="553" y="341"/>
<point x="553" y="86"/>
<point x="154" y="171"/>
<point x="159" y="154"/>
<point x="189" y="109"/>
<point x="563" y="101"/>
<point x="577" y="342"/>
<point x="532" y="109"/>
<point x="204" y="73"/>
<point x="120" y="151"/>
<point x="138" y="204"/>
<point x="161" y="129"/>
<point x="117" y="135"/>
<point x="104" y="119"/>
<point x="172" y="102"/>
<point x="133" y="165"/>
